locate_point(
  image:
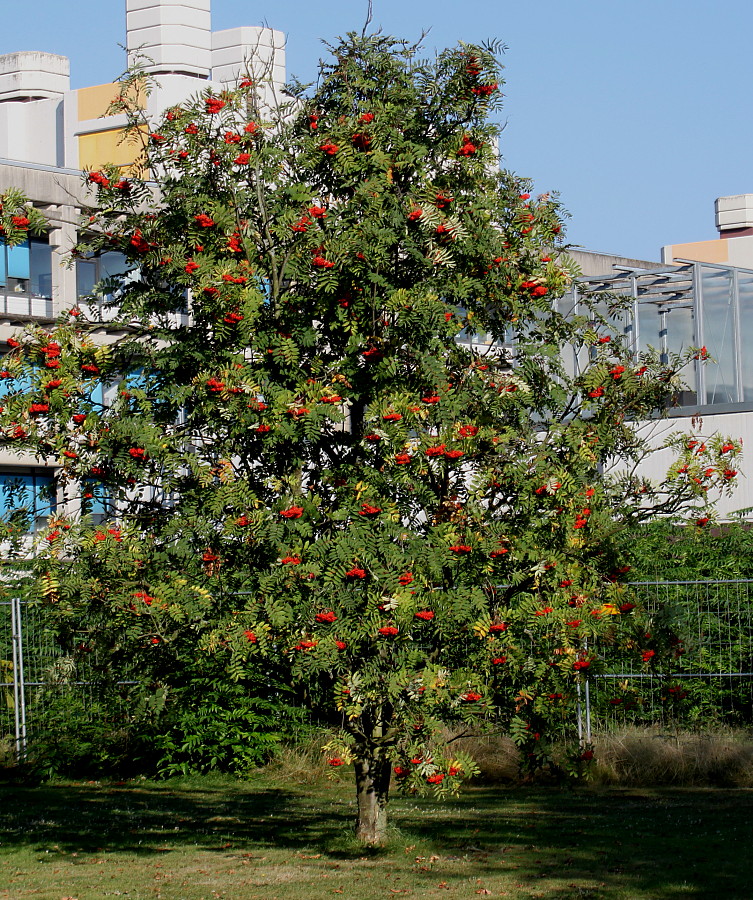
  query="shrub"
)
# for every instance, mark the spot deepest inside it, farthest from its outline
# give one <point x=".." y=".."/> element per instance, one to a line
<point x="212" y="724"/>
<point x="77" y="735"/>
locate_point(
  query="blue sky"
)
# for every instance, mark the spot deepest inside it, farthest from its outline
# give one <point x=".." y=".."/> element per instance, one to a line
<point x="638" y="113"/>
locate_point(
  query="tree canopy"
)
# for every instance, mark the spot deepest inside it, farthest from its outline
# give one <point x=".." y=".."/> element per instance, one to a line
<point x="339" y="436"/>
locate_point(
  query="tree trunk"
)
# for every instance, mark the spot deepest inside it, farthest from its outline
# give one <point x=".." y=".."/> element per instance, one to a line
<point x="372" y="793"/>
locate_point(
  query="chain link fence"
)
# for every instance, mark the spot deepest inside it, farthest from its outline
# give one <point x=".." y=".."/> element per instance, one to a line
<point x="12" y="679"/>
<point x="707" y="678"/>
<point x="36" y="675"/>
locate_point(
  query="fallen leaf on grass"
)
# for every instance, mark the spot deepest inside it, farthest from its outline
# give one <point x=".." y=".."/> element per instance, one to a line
<point x="483" y="891"/>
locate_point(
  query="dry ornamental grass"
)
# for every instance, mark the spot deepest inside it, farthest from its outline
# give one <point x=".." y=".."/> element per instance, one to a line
<point x="652" y="756"/>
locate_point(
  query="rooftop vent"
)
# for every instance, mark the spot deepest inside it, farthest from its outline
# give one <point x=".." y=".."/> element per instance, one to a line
<point x="734" y="215"/>
<point x="33" y="75"/>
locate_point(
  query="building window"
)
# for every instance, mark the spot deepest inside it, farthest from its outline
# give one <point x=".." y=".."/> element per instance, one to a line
<point x="27" y="497"/>
<point x="719" y="325"/>
<point x="95" y="501"/>
<point x="20" y="383"/>
<point x="27" y="267"/>
<point x="745" y="293"/>
<point x="100" y="276"/>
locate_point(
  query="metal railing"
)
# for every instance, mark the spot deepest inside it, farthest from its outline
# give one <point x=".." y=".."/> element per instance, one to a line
<point x="35" y="674"/>
<point x="26" y="305"/>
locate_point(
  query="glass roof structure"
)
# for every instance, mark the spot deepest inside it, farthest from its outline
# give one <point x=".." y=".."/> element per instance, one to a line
<point x="676" y="307"/>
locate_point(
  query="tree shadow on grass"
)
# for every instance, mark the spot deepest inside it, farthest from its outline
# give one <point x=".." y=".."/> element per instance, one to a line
<point x="623" y="843"/>
<point x="648" y="843"/>
<point x="147" y="818"/>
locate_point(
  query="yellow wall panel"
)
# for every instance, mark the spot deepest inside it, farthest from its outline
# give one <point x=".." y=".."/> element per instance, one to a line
<point x="93" y="101"/>
<point x="703" y="251"/>
<point x="100" y="147"/>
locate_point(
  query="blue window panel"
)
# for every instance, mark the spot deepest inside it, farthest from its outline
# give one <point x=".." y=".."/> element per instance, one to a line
<point x="19" y="261"/>
<point x="30" y="262"/>
<point x="30" y="497"/>
<point x="22" y="383"/>
<point x="45" y="500"/>
<point x="97" y="394"/>
<point x="112" y="265"/>
<point x="16" y="492"/>
<point x="86" y="277"/>
<point x="98" y="504"/>
<point x="140" y="379"/>
<point x="40" y="266"/>
<point x="106" y="267"/>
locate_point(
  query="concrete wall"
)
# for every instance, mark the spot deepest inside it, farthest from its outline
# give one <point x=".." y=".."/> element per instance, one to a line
<point x="45" y="186"/>
<point x="33" y="75"/>
<point x="255" y="52"/>
<point x="30" y="131"/>
<point x="734" y="247"/>
<point x="170" y="36"/>
<point x="735" y="425"/>
<point x="733" y="251"/>
<point x="592" y="263"/>
<point x="71" y="129"/>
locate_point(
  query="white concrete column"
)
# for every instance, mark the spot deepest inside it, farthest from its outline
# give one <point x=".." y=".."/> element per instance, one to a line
<point x="250" y="50"/>
<point x="175" y="35"/>
<point x="63" y="236"/>
<point x="32" y="75"/>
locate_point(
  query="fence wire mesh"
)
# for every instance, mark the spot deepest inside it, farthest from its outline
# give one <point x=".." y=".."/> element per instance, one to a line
<point x="41" y="683"/>
<point x="708" y="675"/>
<point x="9" y="706"/>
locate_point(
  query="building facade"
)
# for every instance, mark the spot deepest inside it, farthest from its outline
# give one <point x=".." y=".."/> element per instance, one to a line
<point x="700" y="296"/>
<point x="49" y="134"/>
<point x="734" y="245"/>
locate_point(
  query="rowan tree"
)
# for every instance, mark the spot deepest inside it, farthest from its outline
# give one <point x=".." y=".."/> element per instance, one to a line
<point x="340" y="438"/>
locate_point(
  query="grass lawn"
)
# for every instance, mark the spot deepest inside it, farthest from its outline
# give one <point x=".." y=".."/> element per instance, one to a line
<point x="219" y="838"/>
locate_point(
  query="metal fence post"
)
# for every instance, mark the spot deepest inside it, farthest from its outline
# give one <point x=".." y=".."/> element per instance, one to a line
<point x="19" y="683"/>
<point x="588" y="711"/>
